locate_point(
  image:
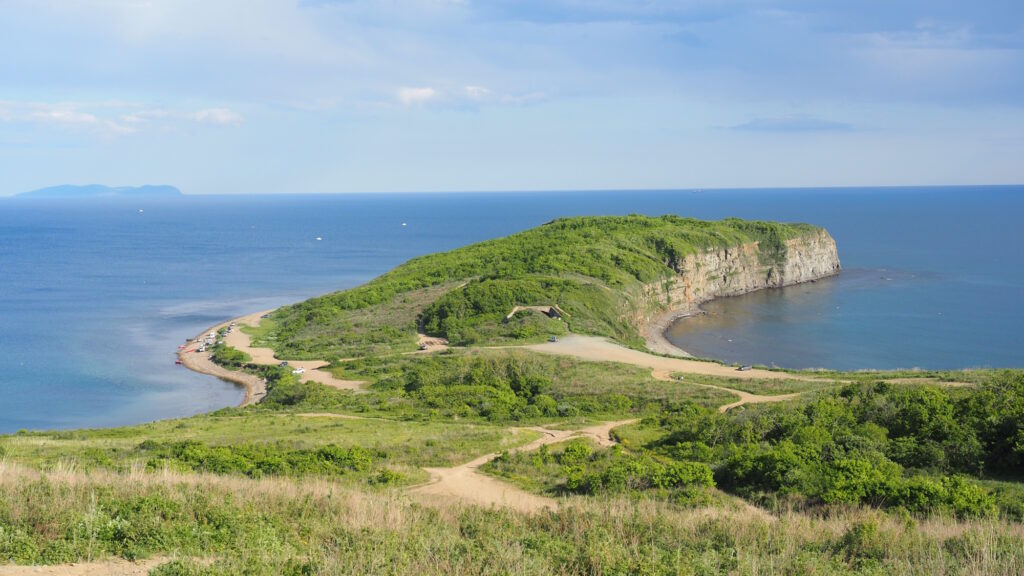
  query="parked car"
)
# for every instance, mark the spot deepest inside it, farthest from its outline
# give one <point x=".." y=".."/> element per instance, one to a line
<point x="553" y="339"/>
<point x="745" y="367"/>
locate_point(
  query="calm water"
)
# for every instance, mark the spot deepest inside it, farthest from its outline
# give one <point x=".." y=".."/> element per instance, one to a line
<point x="96" y="295"/>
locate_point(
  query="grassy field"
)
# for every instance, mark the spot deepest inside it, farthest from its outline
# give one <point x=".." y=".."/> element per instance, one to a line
<point x="592" y="387"/>
<point x="399" y="446"/>
<point x="224" y="525"/>
<point x="279" y="489"/>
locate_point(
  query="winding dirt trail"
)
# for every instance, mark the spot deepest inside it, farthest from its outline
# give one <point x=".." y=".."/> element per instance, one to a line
<point x="598" y="349"/>
<point x="744" y="397"/>
<point x="465" y="482"/>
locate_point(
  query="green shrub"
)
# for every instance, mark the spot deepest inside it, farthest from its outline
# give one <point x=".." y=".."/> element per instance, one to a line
<point x="863" y="544"/>
<point x="229" y="357"/>
<point x="256" y="460"/>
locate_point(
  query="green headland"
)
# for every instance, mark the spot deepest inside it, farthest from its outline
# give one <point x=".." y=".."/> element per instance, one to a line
<point x="504" y="408"/>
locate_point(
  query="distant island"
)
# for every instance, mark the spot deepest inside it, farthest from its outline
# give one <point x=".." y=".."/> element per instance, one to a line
<point x="99" y="190"/>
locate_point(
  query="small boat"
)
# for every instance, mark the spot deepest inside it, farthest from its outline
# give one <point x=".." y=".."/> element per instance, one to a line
<point x="177" y="362"/>
<point x="403" y="224"/>
<point x="318" y="238"/>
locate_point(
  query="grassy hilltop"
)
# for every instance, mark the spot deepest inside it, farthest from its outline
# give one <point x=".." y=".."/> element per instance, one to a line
<point x="593" y="268"/>
<point x="855" y="473"/>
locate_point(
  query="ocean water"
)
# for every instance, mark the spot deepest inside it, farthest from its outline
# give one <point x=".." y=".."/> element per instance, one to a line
<point x="95" y="295"/>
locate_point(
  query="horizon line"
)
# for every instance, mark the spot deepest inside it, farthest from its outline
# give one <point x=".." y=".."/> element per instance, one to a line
<point x="691" y="189"/>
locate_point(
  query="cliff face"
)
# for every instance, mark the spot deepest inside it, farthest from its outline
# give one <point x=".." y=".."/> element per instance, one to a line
<point x="738" y="270"/>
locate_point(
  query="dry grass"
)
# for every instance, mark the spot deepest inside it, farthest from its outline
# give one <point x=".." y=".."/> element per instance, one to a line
<point x="277" y="524"/>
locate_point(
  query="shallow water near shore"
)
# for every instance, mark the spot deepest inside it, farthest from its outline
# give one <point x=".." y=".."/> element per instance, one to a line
<point x="96" y="295"/>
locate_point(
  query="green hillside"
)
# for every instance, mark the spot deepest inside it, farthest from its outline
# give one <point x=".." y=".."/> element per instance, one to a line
<point x="592" y="268"/>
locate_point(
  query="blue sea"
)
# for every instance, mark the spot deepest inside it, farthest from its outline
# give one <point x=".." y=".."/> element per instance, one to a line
<point x="95" y="295"/>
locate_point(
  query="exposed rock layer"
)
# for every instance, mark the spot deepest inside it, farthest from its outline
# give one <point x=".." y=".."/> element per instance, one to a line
<point x="730" y="272"/>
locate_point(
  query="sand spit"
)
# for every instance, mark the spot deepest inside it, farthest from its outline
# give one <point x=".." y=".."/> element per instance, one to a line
<point x="256" y="387"/>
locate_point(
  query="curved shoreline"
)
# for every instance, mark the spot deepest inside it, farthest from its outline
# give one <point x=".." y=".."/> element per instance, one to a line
<point x="255" y="387"/>
<point x="191" y="358"/>
<point x="654" y="332"/>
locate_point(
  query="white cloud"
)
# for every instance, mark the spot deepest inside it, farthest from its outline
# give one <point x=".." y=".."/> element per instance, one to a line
<point x="410" y="96"/>
<point x="477" y="92"/>
<point x="110" y="118"/>
<point x="469" y="96"/>
<point x="62" y="115"/>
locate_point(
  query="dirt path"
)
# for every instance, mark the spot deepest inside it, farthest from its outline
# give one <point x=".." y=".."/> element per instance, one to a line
<point x="428" y="344"/>
<point x="117" y="567"/>
<point x="467" y="483"/>
<point x="598" y="349"/>
<point x="744" y="397"/>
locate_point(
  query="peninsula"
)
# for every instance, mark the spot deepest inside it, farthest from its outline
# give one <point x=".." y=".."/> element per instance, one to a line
<point x="604" y="276"/>
<point x="502" y="408"/>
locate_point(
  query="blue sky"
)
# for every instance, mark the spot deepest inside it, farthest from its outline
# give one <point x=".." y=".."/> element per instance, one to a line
<point x="267" y="96"/>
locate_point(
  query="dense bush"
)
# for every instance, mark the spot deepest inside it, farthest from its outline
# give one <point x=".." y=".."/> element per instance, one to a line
<point x="914" y="447"/>
<point x="229" y="357"/>
<point x="255" y="460"/>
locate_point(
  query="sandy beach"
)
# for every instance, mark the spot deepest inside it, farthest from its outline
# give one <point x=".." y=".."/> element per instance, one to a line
<point x="191" y="358"/>
<point x="255" y="387"/>
<point x="654" y="332"/>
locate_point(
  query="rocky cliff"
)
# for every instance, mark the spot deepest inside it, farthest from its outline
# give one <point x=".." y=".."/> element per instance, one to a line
<point x="732" y="271"/>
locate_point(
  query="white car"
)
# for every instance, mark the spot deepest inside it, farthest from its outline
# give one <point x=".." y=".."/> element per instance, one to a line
<point x="298" y="371"/>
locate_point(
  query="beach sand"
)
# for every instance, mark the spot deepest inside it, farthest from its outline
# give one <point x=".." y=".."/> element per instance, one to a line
<point x="256" y="387"/>
<point x="191" y="358"/>
<point x="654" y="332"/>
<point x="597" y="349"/>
